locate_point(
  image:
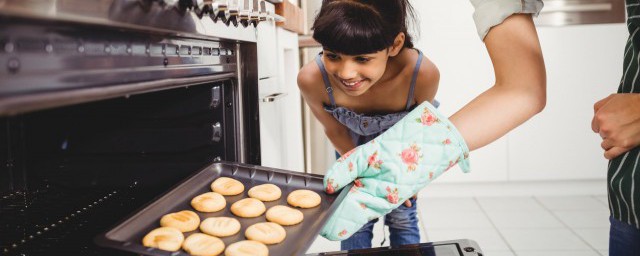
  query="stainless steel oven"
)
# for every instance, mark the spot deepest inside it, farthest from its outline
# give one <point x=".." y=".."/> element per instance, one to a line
<point x="105" y="104"/>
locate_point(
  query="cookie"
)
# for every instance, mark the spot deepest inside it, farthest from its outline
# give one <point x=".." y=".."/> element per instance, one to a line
<point x="303" y="198"/>
<point x="209" y="202"/>
<point x="248" y="208"/>
<point x="203" y="245"/>
<point x="284" y="215"/>
<point x="184" y="221"/>
<point x="165" y="238"/>
<point x="227" y="186"/>
<point x="247" y="248"/>
<point x="265" y="192"/>
<point x="220" y="226"/>
<point x="266" y="233"/>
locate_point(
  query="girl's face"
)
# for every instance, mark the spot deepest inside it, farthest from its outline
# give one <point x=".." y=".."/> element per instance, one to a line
<point x="355" y="74"/>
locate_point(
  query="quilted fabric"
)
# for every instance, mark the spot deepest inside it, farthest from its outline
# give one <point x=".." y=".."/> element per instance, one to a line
<point x="392" y="168"/>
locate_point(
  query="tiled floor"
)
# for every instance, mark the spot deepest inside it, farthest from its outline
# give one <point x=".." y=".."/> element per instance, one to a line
<point x="508" y="226"/>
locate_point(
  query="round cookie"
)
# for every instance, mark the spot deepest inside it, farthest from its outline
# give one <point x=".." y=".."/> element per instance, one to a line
<point x="284" y="215"/>
<point x="204" y="245"/>
<point x="248" y="208"/>
<point x="227" y="186"/>
<point x="303" y="198"/>
<point x="165" y="238"/>
<point x="265" y="192"/>
<point x="247" y="248"/>
<point x="184" y="221"/>
<point x="209" y="202"/>
<point x="220" y="226"/>
<point x="266" y="233"/>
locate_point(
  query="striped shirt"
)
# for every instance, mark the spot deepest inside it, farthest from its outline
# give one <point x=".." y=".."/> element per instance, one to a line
<point x="623" y="176"/>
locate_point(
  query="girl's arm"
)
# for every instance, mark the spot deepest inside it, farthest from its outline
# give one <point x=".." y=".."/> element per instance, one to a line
<point x="520" y="88"/>
<point x="312" y="93"/>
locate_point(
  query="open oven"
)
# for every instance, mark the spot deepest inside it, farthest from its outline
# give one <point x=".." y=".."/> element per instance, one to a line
<point x="105" y="104"/>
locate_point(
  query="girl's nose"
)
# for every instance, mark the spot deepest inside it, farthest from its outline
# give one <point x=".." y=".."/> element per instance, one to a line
<point x="347" y="72"/>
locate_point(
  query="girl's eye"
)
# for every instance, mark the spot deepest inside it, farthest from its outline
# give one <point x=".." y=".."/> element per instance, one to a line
<point x="362" y="59"/>
<point x="331" y="56"/>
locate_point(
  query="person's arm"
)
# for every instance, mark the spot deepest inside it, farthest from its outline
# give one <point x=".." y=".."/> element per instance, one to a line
<point x="617" y="119"/>
<point x="312" y="93"/>
<point x="520" y="88"/>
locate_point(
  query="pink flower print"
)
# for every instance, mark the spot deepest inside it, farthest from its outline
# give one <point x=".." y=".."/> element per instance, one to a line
<point x="452" y="164"/>
<point x="330" y="187"/>
<point x="358" y="183"/>
<point x="430" y="175"/>
<point x="392" y="196"/>
<point x="342" y="233"/>
<point x="374" y="161"/>
<point x="350" y="166"/>
<point x="343" y="157"/>
<point x="410" y="157"/>
<point x="353" y="189"/>
<point x="363" y="206"/>
<point x="427" y="118"/>
<point x="446" y="142"/>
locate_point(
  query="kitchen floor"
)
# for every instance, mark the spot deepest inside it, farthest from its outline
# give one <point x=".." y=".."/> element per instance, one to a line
<point x="510" y="226"/>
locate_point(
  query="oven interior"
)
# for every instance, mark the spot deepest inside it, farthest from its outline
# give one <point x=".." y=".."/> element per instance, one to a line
<point x="76" y="170"/>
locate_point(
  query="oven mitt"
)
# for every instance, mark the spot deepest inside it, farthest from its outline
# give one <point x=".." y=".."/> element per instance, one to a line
<point x="392" y="168"/>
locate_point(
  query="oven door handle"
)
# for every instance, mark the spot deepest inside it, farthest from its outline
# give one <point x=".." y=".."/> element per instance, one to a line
<point x="273" y="97"/>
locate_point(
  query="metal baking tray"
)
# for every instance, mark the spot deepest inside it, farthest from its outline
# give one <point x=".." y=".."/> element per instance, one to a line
<point x="128" y="234"/>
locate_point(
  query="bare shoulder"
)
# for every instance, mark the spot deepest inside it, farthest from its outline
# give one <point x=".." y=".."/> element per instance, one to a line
<point x="427" y="81"/>
<point x="310" y="82"/>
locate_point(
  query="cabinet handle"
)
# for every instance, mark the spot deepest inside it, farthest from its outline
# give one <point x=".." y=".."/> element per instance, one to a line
<point x="273" y="97"/>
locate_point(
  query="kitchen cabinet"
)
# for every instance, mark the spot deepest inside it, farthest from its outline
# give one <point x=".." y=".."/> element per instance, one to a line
<point x="280" y="105"/>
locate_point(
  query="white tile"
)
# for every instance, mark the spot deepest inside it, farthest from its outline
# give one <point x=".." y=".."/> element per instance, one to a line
<point x="524" y="219"/>
<point x="557" y="253"/>
<point x="321" y="244"/>
<point x="448" y="204"/>
<point x="509" y="204"/>
<point x="603" y="199"/>
<point x="543" y="239"/>
<point x="571" y="203"/>
<point x="596" y="237"/>
<point x="584" y="219"/>
<point x="487" y="239"/>
<point x="604" y="252"/>
<point x="454" y="219"/>
<point x="498" y="253"/>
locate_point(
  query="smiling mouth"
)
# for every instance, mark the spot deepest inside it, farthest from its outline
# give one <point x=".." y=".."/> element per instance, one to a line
<point x="352" y="85"/>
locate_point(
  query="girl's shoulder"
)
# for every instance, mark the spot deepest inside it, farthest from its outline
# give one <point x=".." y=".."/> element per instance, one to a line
<point x="310" y="82"/>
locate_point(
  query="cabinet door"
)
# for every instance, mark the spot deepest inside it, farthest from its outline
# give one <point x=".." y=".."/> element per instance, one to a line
<point x="266" y="42"/>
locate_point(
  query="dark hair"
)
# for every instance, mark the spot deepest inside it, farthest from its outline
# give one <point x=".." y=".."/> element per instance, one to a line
<point x="356" y="27"/>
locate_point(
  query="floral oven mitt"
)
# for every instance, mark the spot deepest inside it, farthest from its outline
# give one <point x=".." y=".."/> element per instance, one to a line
<point x="392" y="168"/>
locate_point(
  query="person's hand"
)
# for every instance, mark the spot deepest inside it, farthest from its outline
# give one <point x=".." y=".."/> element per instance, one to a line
<point x="392" y="168"/>
<point x="407" y="202"/>
<point x="617" y="119"/>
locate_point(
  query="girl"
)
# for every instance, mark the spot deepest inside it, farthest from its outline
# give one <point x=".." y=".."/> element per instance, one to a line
<point x="368" y="77"/>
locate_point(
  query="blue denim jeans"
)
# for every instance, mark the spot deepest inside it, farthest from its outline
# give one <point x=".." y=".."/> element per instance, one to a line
<point x="624" y="239"/>
<point x="403" y="226"/>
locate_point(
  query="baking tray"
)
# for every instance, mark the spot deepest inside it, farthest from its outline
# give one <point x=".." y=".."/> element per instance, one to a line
<point x="128" y="234"/>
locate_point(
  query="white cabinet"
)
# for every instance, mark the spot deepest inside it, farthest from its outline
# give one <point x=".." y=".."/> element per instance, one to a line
<point x="584" y="64"/>
<point x="280" y="105"/>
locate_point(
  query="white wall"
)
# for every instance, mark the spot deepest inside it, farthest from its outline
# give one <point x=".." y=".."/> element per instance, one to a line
<point x="584" y="64"/>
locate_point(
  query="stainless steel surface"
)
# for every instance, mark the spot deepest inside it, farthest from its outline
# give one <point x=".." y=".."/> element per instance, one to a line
<point x="575" y="12"/>
<point x="273" y="97"/>
<point x="128" y="234"/>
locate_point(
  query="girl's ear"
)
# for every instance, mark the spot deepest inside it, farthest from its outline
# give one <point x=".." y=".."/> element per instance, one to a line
<point x="398" y="43"/>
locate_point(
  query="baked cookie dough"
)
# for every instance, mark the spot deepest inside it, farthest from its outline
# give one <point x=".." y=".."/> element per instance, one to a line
<point x="184" y="221"/>
<point x="303" y="198"/>
<point x="227" y="186"/>
<point x="247" y="248"/>
<point x="266" y="233"/>
<point x="265" y="192"/>
<point x="248" y="208"/>
<point x="284" y="215"/>
<point x="220" y="226"/>
<point x="165" y="238"/>
<point x="209" y="202"/>
<point x="203" y="245"/>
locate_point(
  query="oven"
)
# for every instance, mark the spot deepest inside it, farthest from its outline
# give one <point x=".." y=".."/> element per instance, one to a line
<point x="106" y="104"/>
